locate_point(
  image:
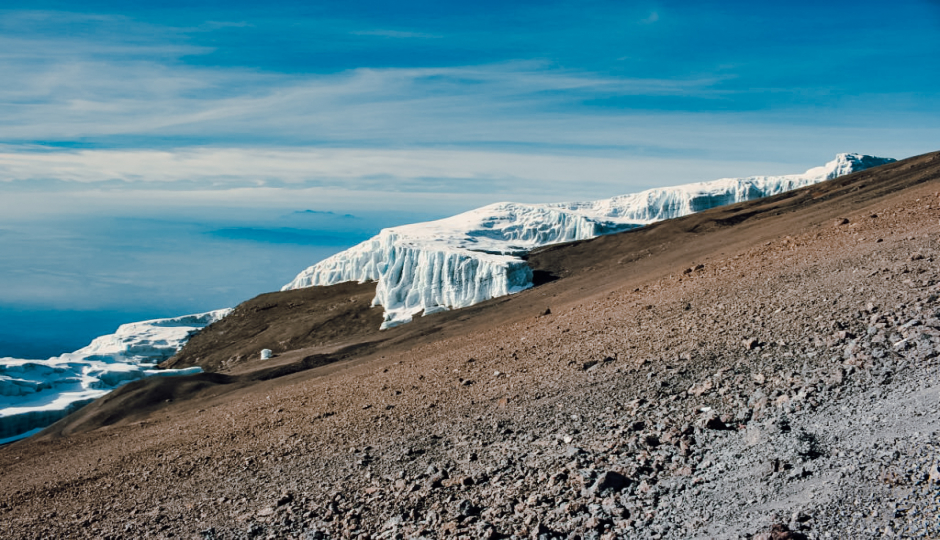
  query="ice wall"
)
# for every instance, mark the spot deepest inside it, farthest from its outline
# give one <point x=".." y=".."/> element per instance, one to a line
<point x="474" y="256"/>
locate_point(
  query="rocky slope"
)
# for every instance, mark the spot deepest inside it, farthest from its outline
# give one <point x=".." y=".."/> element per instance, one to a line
<point x="768" y="370"/>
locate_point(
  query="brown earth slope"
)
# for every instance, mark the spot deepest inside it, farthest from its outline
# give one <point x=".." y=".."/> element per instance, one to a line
<point x="770" y="363"/>
<point x="327" y="320"/>
<point x="322" y="319"/>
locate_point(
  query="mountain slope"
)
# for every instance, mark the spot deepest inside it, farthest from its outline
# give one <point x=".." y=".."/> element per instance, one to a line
<point x="472" y="257"/>
<point x="641" y="253"/>
<point x="420" y="268"/>
<point x="789" y="379"/>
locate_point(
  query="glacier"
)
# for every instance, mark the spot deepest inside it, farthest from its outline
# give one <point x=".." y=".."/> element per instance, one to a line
<point x="37" y="393"/>
<point x="475" y="256"/>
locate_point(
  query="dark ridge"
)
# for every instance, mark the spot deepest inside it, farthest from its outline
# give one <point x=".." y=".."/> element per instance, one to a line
<point x="284" y="321"/>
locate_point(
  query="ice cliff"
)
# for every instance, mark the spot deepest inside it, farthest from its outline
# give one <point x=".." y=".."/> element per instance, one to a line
<point x="36" y="393"/>
<point x="474" y="256"/>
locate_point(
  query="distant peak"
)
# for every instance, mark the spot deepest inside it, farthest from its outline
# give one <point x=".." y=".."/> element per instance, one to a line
<point x="327" y="213"/>
<point x="847" y="163"/>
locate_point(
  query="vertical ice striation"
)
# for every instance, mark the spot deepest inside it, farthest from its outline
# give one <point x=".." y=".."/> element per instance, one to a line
<point x="413" y="279"/>
<point x="474" y="256"/>
<point x="36" y="393"/>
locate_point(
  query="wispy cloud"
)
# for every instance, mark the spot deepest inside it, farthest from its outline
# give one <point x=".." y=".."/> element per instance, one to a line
<point x="217" y="25"/>
<point x="72" y="99"/>
<point x="397" y="34"/>
<point x="354" y="169"/>
<point x="337" y="178"/>
<point x="121" y="82"/>
<point x="510" y="129"/>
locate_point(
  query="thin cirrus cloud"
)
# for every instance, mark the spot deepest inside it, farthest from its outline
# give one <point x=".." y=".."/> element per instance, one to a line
<point x="508" y="106"/>
<point x="397" y="34"/>
<point x="121" y="102"/>
<point x="428" y="170"/>
<point x="98" y="99"/>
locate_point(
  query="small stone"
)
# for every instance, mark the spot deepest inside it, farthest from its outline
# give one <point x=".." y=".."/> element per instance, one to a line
<point x="610" y="480"/>
<point x="750" y="343"/>
<point x="486" y="531"/>
<point x="700" y="388"/>
<point x="573" y="451"/>
<point x="713" y="421"/>
<point x="781" y="532"/>
<point x="842" y="221"/>
<point x="558" y="478"/>
<point x="539" y="530"/>
<point x="266" y="511"/>
<point x="437" y="480"/>
<point x="934" y="474"/>
<point x="772" y="466"/>
<point x="466" y="508"/>
<point x="597" y="523"/>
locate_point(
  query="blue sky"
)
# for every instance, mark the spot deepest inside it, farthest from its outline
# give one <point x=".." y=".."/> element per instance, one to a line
<point x="223" y="116"/>
<point x="692" y="88"/>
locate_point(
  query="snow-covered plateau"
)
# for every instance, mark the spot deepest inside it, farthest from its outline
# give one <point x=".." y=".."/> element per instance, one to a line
<point x="474" y="256"/>
<point x="36" y="393"/>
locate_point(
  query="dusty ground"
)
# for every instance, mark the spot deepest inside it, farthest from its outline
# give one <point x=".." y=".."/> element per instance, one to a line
<point x="770" y="369"/>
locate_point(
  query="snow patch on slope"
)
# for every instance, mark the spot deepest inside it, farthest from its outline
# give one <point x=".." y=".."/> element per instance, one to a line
<point x="37" y="393"/>
<point x="474" y="256"/>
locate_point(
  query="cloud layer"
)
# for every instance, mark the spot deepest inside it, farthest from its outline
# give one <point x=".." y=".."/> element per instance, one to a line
<point x="575" y="102"/>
